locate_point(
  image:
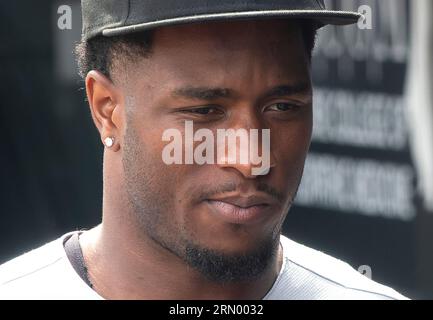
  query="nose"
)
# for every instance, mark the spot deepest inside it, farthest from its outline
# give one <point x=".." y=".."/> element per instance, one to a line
<point x="245" y="147"/>
<point x="247" y="170"/>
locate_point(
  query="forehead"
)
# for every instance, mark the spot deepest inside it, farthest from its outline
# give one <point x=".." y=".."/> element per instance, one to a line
<point x="214" y="38"/>
<point x="232" y="54"/>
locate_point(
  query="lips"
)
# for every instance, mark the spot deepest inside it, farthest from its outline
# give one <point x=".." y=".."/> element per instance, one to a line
<point x="241" y="210"/>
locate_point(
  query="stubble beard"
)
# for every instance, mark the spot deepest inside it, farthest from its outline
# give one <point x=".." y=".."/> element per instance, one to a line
<point x="151" y="208"/>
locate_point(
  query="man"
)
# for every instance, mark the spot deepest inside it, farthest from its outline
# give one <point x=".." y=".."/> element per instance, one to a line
<point x="180" y="227"/>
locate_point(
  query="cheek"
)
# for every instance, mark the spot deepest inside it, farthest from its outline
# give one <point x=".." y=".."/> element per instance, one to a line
<point x="160" y="176"/>
<point x="290" y="148"/>
<point x="292" y="141"/>
<point x="169" y="177"/>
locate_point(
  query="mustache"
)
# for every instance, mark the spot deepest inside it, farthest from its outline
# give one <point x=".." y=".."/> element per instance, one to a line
<point x="208" y="192"/>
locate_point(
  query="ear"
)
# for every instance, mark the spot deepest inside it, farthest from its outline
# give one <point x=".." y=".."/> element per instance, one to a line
<point x="104" y="100"/>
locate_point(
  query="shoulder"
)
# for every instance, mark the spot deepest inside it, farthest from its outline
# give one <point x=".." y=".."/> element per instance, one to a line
<point x="311" y="274"/>
<point x="43" y="273"/>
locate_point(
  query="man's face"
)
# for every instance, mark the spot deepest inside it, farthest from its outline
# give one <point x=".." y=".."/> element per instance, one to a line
<point x="251" y="75"/>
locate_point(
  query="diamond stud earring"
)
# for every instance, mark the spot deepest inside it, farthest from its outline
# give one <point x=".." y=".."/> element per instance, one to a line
<point x="109" y="142"/>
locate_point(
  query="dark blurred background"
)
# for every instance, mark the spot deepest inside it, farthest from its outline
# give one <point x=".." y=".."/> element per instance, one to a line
<point x="359" y="199"/>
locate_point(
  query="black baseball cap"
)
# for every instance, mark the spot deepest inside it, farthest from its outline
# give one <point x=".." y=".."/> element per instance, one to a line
<point x="119" y="17"/>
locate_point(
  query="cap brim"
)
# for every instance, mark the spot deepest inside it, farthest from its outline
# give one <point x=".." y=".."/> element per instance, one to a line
<point x="322" y="17"/>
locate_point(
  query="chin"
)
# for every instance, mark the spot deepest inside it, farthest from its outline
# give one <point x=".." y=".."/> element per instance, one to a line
<point x="237" y="263"/>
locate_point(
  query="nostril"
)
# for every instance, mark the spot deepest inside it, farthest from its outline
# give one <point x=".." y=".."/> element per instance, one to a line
<point x="244" y="171"/>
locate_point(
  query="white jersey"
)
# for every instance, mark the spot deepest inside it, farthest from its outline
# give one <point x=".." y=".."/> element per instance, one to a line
<point x="46" y="273"/>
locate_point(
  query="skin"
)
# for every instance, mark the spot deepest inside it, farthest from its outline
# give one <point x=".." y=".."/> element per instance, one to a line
<point x="151" y="210"/>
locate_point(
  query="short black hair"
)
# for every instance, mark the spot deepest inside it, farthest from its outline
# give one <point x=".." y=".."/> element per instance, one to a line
<point x="100" y="52"/>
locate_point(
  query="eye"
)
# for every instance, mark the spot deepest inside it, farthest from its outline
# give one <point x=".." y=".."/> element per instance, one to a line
<point x="282" y="107"/>
<point x="206" y="110"/>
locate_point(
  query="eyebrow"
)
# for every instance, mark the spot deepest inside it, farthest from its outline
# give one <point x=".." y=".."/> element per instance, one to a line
<point x="203" y="93"/>
<point x="288" y="90"/>
<point x="210" y="94"/>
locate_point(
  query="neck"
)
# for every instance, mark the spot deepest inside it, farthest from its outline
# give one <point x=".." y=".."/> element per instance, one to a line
<point x="122" y="265"/>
